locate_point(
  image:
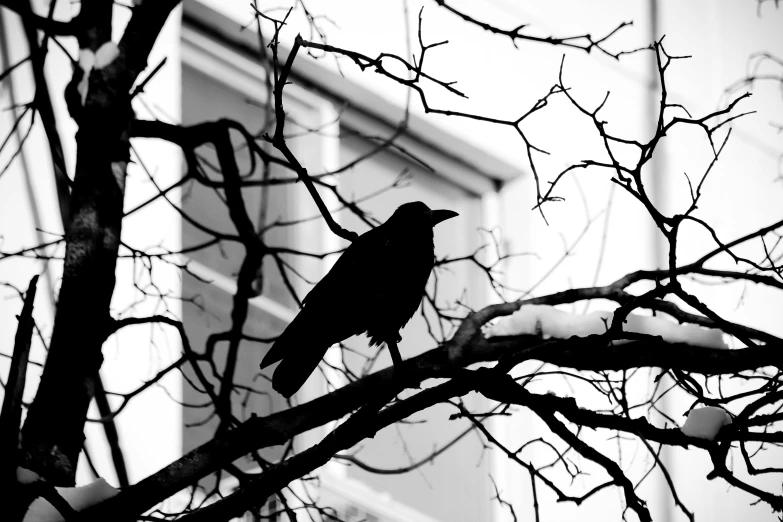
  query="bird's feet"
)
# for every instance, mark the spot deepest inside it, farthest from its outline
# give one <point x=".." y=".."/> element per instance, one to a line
<point x="399" y="372"/>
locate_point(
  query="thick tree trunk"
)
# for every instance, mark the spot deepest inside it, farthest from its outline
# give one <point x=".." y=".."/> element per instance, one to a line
<point x="53" y="434"/>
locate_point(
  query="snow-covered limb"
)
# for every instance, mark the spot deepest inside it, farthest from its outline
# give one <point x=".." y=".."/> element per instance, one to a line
<point x="26" y="476"/>
<point x="79" y="498"/>
<point x="86" y="62"/>
<point x="705" y="423"/>
<point x="106" y="54"/>
<point x="547" y="321"/>
<point x="89" y="60"/>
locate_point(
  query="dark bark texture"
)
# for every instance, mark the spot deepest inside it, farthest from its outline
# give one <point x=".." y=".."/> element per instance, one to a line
<point x="53" y="432"/>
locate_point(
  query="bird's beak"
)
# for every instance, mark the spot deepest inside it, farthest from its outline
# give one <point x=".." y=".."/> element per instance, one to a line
<point x="436" y="216"/>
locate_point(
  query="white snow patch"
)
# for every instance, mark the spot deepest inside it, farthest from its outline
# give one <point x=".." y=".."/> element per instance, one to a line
<point x="26" y="476"/>
<point x="86" y="62"/>
<point x="89" y="60"/>
<point x="106" y="54"/>
<point x="79" y="498"/>
<point x="119" y="170"/>
<point x="705" y="423"/>
<point x="86" y="59"/>
<point x="548" y="321"/>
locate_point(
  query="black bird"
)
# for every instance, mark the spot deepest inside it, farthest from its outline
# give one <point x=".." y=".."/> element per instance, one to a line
<point x="375" y="286"/>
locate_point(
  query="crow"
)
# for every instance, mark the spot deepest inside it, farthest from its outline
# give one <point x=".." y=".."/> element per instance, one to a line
<point x="375" y="287"/>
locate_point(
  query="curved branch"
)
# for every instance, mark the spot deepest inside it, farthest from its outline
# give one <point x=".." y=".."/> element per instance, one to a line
<point x="468" y="346"/>
<point x="585" y="42"/>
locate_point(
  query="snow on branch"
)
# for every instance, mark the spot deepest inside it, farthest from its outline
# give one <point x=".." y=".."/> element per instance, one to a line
<point x="705" y="423"/>
<point x="41" y="510"/>
<point x="547" y="322"/>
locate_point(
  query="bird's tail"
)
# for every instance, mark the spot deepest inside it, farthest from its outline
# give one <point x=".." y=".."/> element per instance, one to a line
<point x="295" y="369"/>
<point x="299" y="351"/>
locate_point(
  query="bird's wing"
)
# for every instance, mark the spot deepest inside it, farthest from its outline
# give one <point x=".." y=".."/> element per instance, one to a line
<point x="335" y="309"/>
<point x="353" y="275"/>
<point x="302" y="346"/>
<point x="316" y="325"/>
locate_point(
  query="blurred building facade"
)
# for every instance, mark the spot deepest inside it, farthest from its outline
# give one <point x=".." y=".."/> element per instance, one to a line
<point x="212" y="71"/>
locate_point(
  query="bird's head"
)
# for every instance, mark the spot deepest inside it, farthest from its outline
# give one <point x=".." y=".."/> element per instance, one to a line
<point x="417" y="213"/>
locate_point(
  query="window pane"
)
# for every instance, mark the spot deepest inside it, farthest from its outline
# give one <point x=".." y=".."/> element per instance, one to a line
<point x="204" y="99"/>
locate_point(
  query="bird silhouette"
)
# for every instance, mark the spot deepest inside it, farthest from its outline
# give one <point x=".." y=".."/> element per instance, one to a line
<point x="375" y="287"/>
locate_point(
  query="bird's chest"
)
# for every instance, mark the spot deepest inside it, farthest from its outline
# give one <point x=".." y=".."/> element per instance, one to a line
<point x="408" y="263"/>
<point x="402" y="277"/>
